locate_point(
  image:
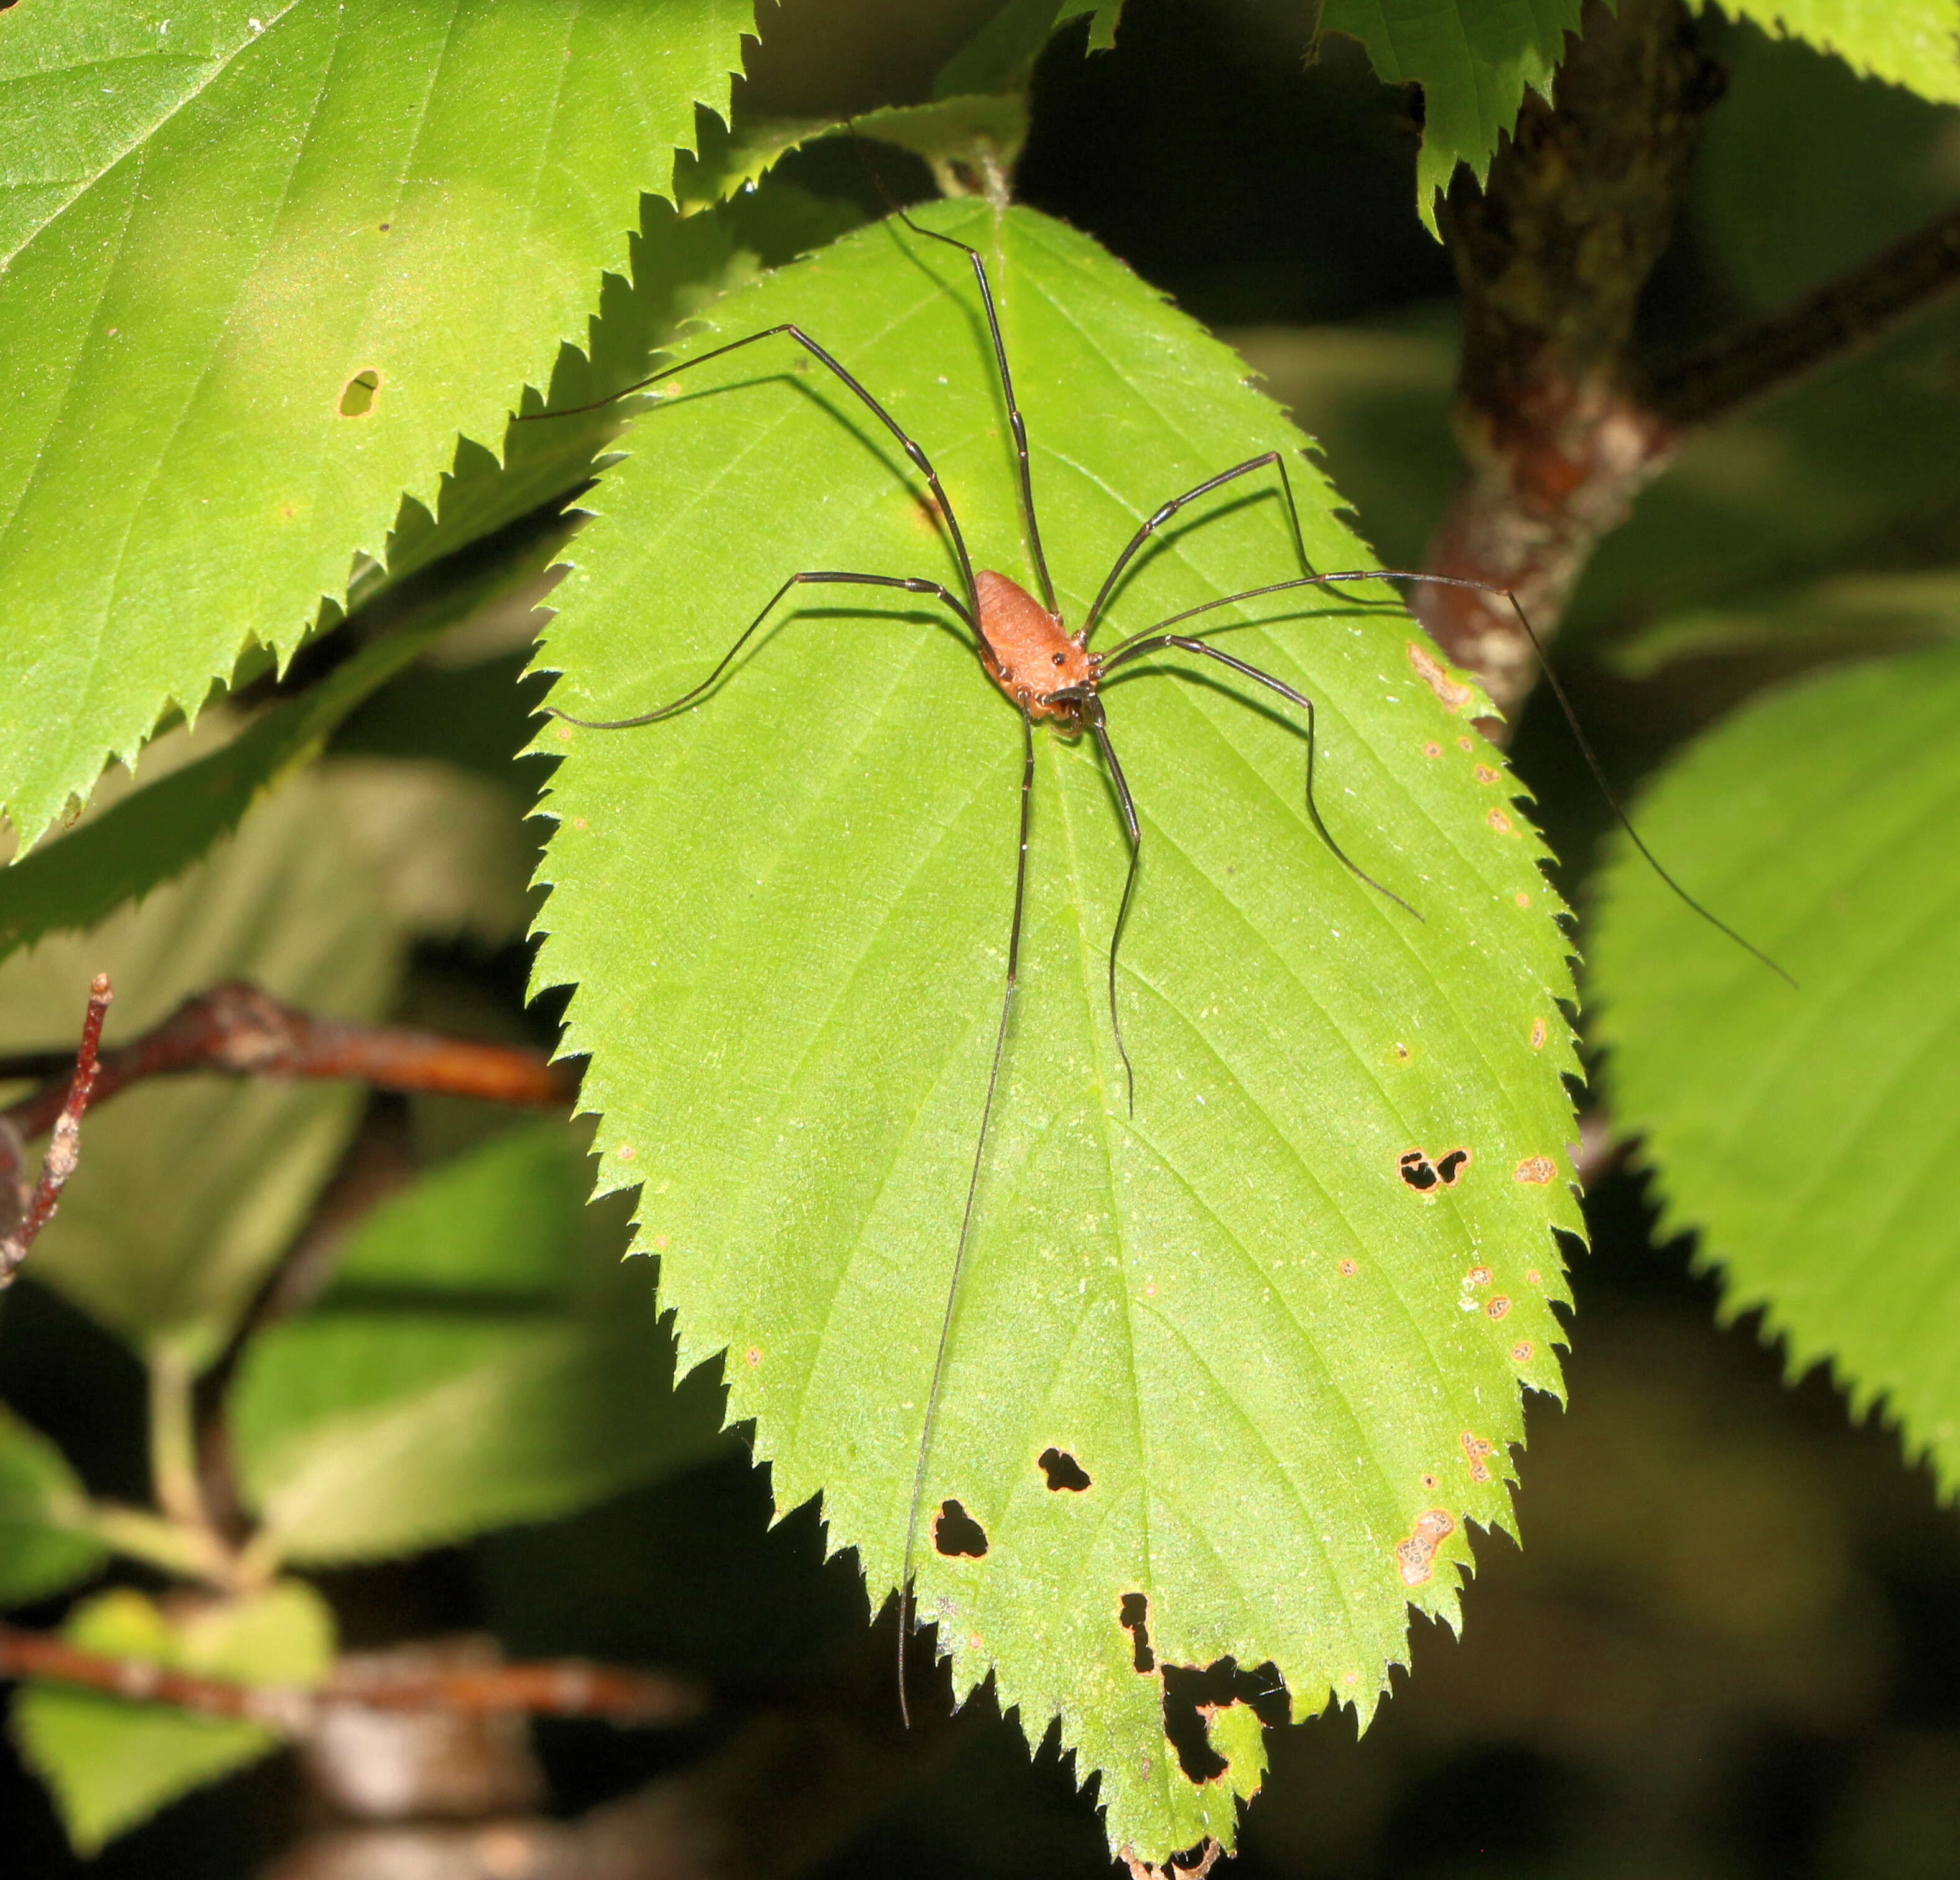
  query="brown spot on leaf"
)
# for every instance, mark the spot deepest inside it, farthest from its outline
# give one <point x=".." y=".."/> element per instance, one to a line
<point x="1500" y="822"/>
<point x="755" y="1357"/>
<point x="1485" y="774"/>
<point x="1455" y="697"/>
<point x="1349" y="1268"/>
<point x="1498" y="1307"/>
<point x="1538" y="1034"/>
<point x="660" y="1243"/>
<point x="1415" y="1557"/>
<point x="1531" y="1276"/>
<point x="1524" y="899"/>
<point x="1478" y="1276"/>
<point x="1464" y="744"/>
<point x="1402" y="1052"/>
<point x="1477" y="1452"/>
<point x="1521" y="1352"/>
<point x="626" y="1152"/>
<point x="1432" y="750"/>
<point x="1536" y="1169"/>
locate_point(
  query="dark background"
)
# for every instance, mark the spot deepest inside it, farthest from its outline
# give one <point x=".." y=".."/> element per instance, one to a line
<point x="1730" y="1646"/>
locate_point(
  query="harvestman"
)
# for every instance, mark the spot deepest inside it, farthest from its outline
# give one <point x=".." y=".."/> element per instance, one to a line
<point x="1047" y="672"/>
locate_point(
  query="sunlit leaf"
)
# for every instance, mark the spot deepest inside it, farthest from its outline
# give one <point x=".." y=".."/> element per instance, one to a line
<point x="1915" y="43"/>
<point x="1276" y="1345"/>
<point x="1474" y="60"/>
<point x="256" y="273"/>
<point x="110" y="1764"/>
<point x="482" y="1359"/>
<point x="1808" y="1136"/>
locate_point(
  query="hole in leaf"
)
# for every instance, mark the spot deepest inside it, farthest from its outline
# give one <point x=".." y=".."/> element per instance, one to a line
<point x="1190" y="1694"/>
<point x="358" y="400"/>
<point x="1449" y="1168"/>
<point x="956" y="1532"/>
<point x="1133" y="1616"/>
<point x="1064" y="1472"/>
<point x="1417" y="1172"/>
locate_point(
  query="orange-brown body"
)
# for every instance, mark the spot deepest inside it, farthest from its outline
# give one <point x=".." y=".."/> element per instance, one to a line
<point x="1030" y="653"/>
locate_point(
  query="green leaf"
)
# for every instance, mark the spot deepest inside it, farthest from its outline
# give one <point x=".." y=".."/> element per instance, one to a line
<point x="1808" y="1136"/>
<point x="1104" y="17"/>
<point x="482" y="1359"/>
<point x="210" y="228"/>
<point x="110" y="1764"/>
<point x="1915" y="43"/>
<point x="1855" y="614"/>
<point x="1474" y="60"/>
<point x="189" y="1189"/>
<point x="786" y="911"/>
<point x="45" y="1542"/>
<point x="153" y="834"/>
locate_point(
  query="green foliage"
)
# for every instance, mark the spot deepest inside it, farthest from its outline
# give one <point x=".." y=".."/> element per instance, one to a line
<point x="1915" y="43"/>
<point x="481" y="1358"/>
<point x="44" y="1543"/>
<point x="202" y="256"/>
<point x="189" y="1190"/>
<point x="786" y="914"/>
<point x="1474" y="60"/>
<point x="1806" y="1135"/>
<point x="110" y="1764"/>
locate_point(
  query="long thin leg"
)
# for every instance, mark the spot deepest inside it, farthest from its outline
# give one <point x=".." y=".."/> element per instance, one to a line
<point x="1092" y="707"/>
<point x="1176" y="503"/>
<point x="1185" y="644"/>
<point x="966" y="1218"/>
<point x="1152" y="636"/>
<point x="920" y="460"/>
<point x="1014" y="419"/>
<point x="912" y="584"/>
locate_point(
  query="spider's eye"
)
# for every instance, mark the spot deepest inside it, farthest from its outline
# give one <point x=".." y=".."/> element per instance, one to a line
<point x="1061" y="659"/>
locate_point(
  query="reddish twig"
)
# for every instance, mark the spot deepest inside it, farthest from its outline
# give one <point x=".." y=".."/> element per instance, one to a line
<point x="561" y="1688"/>
<point x="35" y="1207"/>
<point x="240" y="1029"/>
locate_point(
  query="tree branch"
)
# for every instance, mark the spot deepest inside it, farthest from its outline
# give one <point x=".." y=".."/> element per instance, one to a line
<point x="564" y="1687"/>
<point x="1560" y="430"/>
<point x="32" y="1207"/>
<point x="240" y="1029"/>
<point x="1552" y="255"/>
<point x="1836" y="322"/>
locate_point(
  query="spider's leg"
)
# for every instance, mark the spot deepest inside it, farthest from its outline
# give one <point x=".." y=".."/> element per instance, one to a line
<point x="1176" y="503"/>
<point x="1014" y="419"/>
<point x="1153" y="637"/>
<point x="1099" y="726"/>
<point x="1185" y="644"/>
<point x="912" y="584"/>
<point x="920" y="460"/>
<point x="966" y="1218"/>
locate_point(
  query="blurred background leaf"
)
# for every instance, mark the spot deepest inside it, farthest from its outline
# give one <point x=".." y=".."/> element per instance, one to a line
<point x="110" y="1763"/>
<point x="45" y="1544"/>
<point x="192" y="1187"/>
<point x="481" y="1358"/>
